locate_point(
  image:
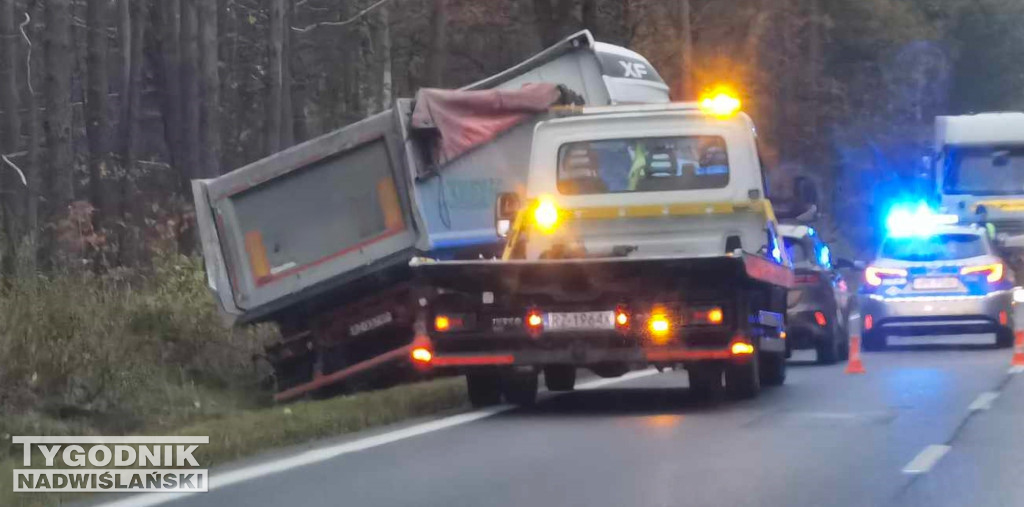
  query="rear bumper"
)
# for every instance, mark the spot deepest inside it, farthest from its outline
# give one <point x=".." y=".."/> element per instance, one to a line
<point x="804" y="332"/>
<point x="583" y="354"/>
<point x="938" y="314"/>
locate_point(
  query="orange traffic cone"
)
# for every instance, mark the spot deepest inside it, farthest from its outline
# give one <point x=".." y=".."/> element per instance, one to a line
<point x="855" y="365"/>
<point x="1018" y="349"/>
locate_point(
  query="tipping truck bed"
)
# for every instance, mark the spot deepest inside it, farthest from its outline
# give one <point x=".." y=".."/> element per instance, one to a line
<point x="312" y="236"/>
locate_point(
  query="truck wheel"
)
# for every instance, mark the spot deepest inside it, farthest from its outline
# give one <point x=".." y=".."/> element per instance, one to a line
<point x="520" y="388"/>
<point x="560" y="377"/>
<point x="828" y="349"/>
<point x="484" y="389"/>
<point x="773" y="369"/>
<point x="743" y="380"/>
<point x="1004" y="338"/>
<point x="705" y="380"/>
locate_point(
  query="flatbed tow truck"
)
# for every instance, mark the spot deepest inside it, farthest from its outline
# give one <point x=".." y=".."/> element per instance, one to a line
<point x="644" y="237"/>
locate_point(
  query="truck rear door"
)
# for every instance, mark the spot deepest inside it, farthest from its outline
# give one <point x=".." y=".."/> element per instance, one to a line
<point x="312" y="215"/>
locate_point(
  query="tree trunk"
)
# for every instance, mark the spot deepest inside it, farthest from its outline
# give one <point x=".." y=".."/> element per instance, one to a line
<point x="210" y="90"/>
<point x="275" y="76"/>
<point x="133" y="28"/>
<point x="684" y="85"/>
<point x="438" y="55"/>
<point x="189" y="93"/>
<point x="287" y="125"/>
<point x="167" y="20"/>
<point x="814" y="61"/>
<point x="96" y="110"/>
<point x="11" y="129"/>
<point x="35" y="131"/>
<point x="57" y="125"/>
<point x="299" y="81"/>
<point x="382" y="49"/>
<point x="588" y="15"/>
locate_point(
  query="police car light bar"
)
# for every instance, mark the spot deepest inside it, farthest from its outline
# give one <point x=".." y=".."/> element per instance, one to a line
<point x="908" y="220"/>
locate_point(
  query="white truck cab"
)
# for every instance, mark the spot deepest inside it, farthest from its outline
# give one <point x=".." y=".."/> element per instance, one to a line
<point x="649" y="181"/>
<point x="979" y="170"/>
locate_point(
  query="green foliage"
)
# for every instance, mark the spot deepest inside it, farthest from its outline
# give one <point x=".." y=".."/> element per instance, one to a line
<point x="107" y="355"/>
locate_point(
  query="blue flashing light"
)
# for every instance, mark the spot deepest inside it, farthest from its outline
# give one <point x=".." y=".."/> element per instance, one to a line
<point x="825" y="257"/>
<point x="811" y="232"/>
<point x="907" y="220"/>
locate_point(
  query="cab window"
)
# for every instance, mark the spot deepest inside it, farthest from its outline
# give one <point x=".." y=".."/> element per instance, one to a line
<point x="646" y="164"/>
<point x="940" y="247"/>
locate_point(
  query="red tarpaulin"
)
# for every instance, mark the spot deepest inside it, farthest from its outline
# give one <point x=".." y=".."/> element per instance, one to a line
<point x="466" y="119"/>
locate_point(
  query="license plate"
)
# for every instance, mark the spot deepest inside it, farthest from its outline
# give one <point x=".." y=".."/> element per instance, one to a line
<point x="579" y="321"/>
<point x="935" y="283"/>
<point x="370" y="324"/>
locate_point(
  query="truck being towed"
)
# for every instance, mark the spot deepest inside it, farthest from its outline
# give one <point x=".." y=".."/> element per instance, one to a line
<point x="645" y="238"/>
<point x="318" y="238"/>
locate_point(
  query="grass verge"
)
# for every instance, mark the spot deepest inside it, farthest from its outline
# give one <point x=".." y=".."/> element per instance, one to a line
<point x="250" y="432"/>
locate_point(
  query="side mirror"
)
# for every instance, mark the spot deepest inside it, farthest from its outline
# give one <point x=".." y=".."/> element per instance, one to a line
<point x="506" y="207"/>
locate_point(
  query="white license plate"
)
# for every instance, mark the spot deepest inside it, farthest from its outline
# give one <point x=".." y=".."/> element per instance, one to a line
<point x="935" y="283"/>
<point x="579" y="320"/>
<point x="370" y="324"/>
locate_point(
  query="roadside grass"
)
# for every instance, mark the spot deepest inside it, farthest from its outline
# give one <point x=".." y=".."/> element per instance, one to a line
<point x="145" y="352"/>
<point x="247" y="433"/>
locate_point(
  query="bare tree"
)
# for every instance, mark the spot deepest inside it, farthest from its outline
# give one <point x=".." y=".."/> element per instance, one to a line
<point x="438" y="55"/>
<point x="189" y="93"/>
<point x="96" y="108"/>
<point x="11" y="128"/>
<point x="275" y="76"/>
<point x="382" y="52"/>
<point x="60" y="159"/>
<point x="210" y="147"/>
<point x="684" y="85"/>
<point x="167" y="20"/>
<point x="133" y="14"/>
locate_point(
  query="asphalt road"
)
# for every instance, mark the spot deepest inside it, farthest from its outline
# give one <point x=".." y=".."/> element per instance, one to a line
<point x="825" y="438"/>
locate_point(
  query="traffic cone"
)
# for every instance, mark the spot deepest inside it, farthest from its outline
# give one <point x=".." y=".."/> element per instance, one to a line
<point x="855" y="365"/>
<point x="1018" y="349"/>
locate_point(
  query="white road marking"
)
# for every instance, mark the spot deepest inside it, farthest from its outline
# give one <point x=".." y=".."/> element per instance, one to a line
<point x="325" y="453"/>
<point x="983" y="401"/>
<point x="924" y="461"/>
<point x="1015" y="370"/>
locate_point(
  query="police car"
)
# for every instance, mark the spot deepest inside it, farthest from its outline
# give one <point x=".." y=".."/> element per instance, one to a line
<point x="933" y="276"/>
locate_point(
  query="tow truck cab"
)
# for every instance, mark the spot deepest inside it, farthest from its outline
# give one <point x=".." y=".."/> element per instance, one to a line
<point x="645" y="238"/>
<point x="979" y="171"/>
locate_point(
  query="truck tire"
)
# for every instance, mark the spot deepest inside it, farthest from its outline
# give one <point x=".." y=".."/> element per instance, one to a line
<point x="743" y="380"/>
<point x="705" y="380"/>
<point x="1004" y="338"/>
<point x="520" y="388"/>
<point x="484" y="389"/>
<point x="828" y="349"/>
<point x="773" y="369"/>
<point x="560" y="377"/>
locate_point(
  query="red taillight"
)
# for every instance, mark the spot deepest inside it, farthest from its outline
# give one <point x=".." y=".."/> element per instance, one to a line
<point x="993" y="272"/>
<point x="873" y="275"/>
<point x="869" y="322"/>
<point x="1003" y="318"/>
<point x="622" y="318"/>
<point x="534" y="321"/>
<point x="422" y="355"/>
<point x="819" y="317"/>
<point x="807" y="279"/>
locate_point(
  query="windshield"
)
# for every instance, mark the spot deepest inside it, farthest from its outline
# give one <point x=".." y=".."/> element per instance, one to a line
<point x="942" y="247"/>
<point x="987" y="170"/>
<point x="643" y="165"/>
